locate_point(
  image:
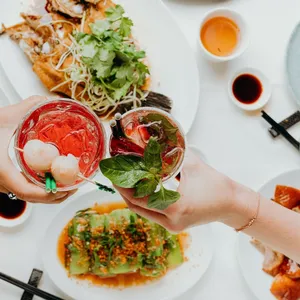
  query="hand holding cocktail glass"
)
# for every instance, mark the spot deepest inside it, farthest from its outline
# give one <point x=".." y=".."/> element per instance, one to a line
<point x="11" y="180"/>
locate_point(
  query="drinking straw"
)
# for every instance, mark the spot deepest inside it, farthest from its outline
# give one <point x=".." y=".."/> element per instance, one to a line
<point x="53" y="185"/>
<point x="48" y="182"/>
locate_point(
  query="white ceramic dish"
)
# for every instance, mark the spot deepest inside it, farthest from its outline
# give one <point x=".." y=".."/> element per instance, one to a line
<point x="172" y="285"/>
<point x="292" y="62"/>
<point x="264" y="97"/>
<point x="172" y="62"/>
<point x="244" y="33"/>
<point x="250" y="259"/>
<point x="5" y="223"/>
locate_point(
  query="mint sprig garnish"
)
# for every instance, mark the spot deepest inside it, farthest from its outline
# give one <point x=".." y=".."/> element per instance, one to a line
<point x="142" y="173"/>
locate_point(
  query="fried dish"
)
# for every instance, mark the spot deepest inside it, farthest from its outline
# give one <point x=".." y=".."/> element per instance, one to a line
<point x="286" y="285"/>
<point x="85" y="50"/>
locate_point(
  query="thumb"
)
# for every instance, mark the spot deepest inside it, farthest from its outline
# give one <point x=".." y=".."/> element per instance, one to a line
<point x="17" y="111"/>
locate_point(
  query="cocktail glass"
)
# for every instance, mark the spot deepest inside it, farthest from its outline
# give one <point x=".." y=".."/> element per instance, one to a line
<point x="132" y="131"/>
<point x="70" y="126"/>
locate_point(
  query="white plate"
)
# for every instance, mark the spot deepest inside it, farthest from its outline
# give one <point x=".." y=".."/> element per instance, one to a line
<point x="175" y="283"/>
<point x="173" y="65"/>
<point x="250" y="259"/>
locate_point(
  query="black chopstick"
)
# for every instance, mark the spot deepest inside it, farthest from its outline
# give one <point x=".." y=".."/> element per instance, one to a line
<point x="281" y="130"/>
<point x="29" y="288"/>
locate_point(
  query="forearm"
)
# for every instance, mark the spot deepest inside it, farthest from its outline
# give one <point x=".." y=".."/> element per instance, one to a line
<point x="276" y="226"/>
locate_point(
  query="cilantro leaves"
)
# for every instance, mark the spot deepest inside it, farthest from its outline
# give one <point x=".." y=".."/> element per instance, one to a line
<point x="110" y="55"/>
<point x="143" y="174"/>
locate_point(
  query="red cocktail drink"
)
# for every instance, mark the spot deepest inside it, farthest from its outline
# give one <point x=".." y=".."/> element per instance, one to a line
<point x="132" y="131"/>
<point x="72" y="128"/>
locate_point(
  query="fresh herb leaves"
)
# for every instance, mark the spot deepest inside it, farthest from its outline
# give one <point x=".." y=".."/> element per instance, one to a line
<point x="125" y="170"/>
<point x="144" y="174"/>
<point x="145" y="188"/>
<point x="113" y="61"/>
<point x="169" y="129"/>
<point x="163" y="198"/>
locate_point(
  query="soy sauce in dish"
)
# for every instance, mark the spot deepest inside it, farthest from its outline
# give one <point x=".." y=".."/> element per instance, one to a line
<point x="247" y="88"/>
<point x="11" y="209"/>
<point x="178" y="177"/>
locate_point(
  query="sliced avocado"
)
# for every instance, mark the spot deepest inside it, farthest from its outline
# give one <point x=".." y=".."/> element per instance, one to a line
<point x="175" y="257"/>
<point x="153" y="267"/>
<point x="97" y="221"/>
<point x="156" y="237"/>
<point x="79" y="261"/>
<point x="121" y="266"/>
<point x="80" y="227"/>
<point x="98" y="268"/>
<point x="119" y="216"/>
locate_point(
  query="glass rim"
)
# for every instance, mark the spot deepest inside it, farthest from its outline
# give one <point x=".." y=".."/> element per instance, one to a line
<point x="26" y="116"/>
<point x="168" y="115"/>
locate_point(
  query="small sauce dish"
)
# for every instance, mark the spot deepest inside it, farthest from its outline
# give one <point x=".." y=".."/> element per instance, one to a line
<point x="13" y="213"/>
<point x="249" y="89"/>
<point x="223" y="35"/>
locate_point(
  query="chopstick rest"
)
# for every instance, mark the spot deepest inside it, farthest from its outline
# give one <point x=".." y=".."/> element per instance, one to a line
<point x="286" y="123"/>
<point x="279" y="128"/>
<point x="34" y="280"/>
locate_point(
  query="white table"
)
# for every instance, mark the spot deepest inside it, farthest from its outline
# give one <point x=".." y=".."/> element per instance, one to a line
<point x="234" y="142"/>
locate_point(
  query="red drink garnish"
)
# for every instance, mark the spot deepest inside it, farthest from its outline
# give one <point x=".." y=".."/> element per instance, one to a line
<point x="123" y="146"/>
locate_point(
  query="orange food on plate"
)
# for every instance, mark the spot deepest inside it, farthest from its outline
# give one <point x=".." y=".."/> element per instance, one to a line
<point x="285" y="288"/>
<point x="286" y="196"/>
<point x="286" y="285"/>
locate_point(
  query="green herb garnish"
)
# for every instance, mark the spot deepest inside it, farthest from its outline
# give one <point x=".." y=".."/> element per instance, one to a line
<point x="144" y="174"/>
<point x="106" y="61"/>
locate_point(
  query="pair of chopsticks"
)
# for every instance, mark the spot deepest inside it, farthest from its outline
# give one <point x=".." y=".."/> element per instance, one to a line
<point x="28" y="288"/>
<point x="280" y="129"/>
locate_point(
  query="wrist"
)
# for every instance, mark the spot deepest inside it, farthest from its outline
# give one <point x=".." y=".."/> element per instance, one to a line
<point x="241" y="207"/>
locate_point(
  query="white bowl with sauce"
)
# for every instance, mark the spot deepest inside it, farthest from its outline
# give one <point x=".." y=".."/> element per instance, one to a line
<point x="13" y="213"/>
<point x="249" y="89"/>
<point x="233" y="37"/>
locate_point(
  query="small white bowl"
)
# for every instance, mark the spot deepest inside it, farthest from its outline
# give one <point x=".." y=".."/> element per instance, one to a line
<point x="6" y="223"/>
<point x="239" y="21"/>
<point x="266" y="90"/>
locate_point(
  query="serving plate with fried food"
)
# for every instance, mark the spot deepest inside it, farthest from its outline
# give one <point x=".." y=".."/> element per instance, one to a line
<point x="110" y="56"/>
<point x="95" y="248"/>
<point x="269" y="274"/>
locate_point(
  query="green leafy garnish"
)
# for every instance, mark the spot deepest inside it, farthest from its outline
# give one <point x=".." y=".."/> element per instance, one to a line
<point x="163" y="198"/>
<point x="145" y="188"/>
<point x="125" y="170"/>
<point x="169" y="129"/>
<point x="112" y="59"/>
<point x="143" y="174"/>
<point x="106" y="62"/>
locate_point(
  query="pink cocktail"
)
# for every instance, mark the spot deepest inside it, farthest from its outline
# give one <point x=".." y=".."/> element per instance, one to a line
<point x="132" y="131"/>
<point x="72" y="128"/>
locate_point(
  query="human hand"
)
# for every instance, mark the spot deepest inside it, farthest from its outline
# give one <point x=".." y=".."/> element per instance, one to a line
<point x="11" y="180"/>
<point x="206" y="196"/>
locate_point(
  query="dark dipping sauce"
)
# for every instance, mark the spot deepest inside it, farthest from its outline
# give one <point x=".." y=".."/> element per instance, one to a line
<point x="11" y="209"/>
<point x="247" y="88"/>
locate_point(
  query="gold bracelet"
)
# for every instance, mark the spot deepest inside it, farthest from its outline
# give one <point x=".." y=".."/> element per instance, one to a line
<point x="252" y="220"/>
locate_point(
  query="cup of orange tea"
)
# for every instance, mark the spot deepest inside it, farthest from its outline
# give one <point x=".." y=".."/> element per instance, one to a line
<point x="223" y="35"/>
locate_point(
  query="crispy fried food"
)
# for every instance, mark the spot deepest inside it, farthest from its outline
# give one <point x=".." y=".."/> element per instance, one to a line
<point x="2" y="29"/>
<point x="287" y="196"/>
<point x="285" y="288"/>
<point x="286" y="285"/>
<point x="29" y="41"/>
<point x="72" y="8"/>
<point x="272" y="259"/>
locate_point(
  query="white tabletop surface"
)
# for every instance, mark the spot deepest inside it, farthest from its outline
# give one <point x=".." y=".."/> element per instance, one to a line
<point x="234" y="142"/>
